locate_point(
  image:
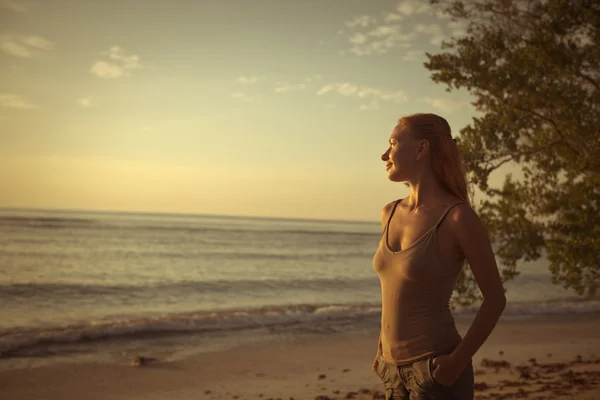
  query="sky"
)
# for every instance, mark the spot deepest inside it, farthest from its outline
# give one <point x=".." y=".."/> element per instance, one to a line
<point x="274" y="108"/>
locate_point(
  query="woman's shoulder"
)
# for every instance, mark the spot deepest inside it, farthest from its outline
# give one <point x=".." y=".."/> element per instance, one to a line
<point x="387" y="210"/>
<point x="461" y="213"/>
<point x="452" y="204"/>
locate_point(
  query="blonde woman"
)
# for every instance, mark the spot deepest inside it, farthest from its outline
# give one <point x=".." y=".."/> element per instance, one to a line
<point x="426" y="238"/>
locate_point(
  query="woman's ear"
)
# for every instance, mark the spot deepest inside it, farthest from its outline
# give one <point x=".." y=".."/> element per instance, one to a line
<point x="422" y="149"/>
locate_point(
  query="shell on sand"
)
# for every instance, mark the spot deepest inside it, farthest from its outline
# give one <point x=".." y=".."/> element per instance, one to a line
<point x="141" y="361"/>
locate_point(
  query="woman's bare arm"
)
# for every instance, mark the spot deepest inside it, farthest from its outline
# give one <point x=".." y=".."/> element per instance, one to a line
<point x="474" y="242"/>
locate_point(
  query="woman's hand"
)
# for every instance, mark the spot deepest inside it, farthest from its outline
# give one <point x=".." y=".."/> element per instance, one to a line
<point x="445" y="370"/>
<point x="375" y="363"/>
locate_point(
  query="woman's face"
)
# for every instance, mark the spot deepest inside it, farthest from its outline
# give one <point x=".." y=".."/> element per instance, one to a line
<point x="400" y="157"/>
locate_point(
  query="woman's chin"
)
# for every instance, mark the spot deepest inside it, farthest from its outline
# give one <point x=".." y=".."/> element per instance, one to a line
<point x="394" y="177"/>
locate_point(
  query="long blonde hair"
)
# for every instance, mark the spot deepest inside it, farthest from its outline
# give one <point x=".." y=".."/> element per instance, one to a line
<point x="446" y="161"/>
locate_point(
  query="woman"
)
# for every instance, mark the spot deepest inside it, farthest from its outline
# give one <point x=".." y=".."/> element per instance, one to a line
<point x="426" y="238"/>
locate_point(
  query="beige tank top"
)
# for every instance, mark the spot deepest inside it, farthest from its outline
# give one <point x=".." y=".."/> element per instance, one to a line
<point x="416" y="285"/>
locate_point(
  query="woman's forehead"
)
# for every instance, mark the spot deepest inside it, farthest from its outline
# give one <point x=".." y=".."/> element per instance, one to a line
<point x="399" y="132"/>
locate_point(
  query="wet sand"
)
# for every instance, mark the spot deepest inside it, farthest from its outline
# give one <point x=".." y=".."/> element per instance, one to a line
<point x="550" y="358"/>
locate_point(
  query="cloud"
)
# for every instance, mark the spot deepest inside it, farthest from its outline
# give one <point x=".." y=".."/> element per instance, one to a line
<point x="105" y="69"/>
<point x="9" y="100"/>
<point x="369" y="35"/>
<point x="364" y="92"/>
<point x="381" y="40"/>
<point x="358" y="38"/>
<point x="435" y="32"/>
<point x="13" y="48"/>
<point x="24" y="46"/>
<point x="372" y="106"/>
<point x="385" y="30"/>
<point x="128" y="62"/>
<point x="362" y="21"/>
<point x="118" y="64"/>
<point x="244" y="97"/>
<point x="13" y="5"/>
<point x="458" y="28"/>
<point x="38" y="42"/>
<point x="446" y="106"/>
<point x="393" y="17"/>
<point x="412" y="7"/>
<point x="85" y="102"/>
<point x="285" y="87"/>
<point x="248" y="80"/>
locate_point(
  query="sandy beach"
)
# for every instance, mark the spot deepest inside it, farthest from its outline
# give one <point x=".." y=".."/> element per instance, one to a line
<point x="549" y="358"/>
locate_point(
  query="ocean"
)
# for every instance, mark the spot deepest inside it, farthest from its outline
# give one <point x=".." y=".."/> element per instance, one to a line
<point x="69" y="279"/>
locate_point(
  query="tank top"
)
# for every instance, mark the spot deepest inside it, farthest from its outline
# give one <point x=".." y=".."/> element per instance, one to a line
<point x="416" y="285"/>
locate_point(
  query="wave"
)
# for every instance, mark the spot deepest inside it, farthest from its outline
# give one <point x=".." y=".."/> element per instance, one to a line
<point x="45" y="222"/>
<point x="19" y="342"/>
<point x="552" y="307"/>
<point x="16" y="342"/>
<point x="173" y="227"/>
<point x="65" y="290"/>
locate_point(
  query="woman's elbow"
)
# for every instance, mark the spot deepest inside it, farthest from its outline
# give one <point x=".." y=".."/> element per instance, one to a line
<point x="497" y="301"/>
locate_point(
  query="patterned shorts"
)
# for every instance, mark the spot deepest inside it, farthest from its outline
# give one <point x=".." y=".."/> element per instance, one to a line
<point x="415" y="382"/>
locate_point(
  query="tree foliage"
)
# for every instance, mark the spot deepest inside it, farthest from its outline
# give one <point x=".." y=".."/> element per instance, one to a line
<point x="533" y="68"/>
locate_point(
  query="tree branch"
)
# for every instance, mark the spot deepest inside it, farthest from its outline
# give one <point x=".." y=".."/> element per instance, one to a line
<point x="589" y="79"/>
<point x="529" y="151"/>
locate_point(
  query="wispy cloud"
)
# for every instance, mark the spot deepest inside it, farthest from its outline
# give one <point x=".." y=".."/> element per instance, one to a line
<point x="393" y="17"/>
<point x="117" y="65"/>
<point x="412" y="7"/>
<point x="312" y="78"/>
<point x="286" y="87"/>
<point x="362" y="21"/>
<point x="282" y="87"/>
<point x="10" y="100"/>
<point x="85" y="102"/>
<point x="369" y="35"/>
<point x="24" y="46"/>
<point x="38" y="42"/>
<point x="435" y="32"/>
<point x="14" y="48"/>
<point x="458" y="28"/>
<point x="445" y="105"/>
<point x="244" y="97"/>
<point x="14" y="5"/>
<point x="363" y="92"/>
<point x="248" y="80"/>
<point x="371" y="106"/>
<point x="358" y="38"/>
<point x="380" y="39"/>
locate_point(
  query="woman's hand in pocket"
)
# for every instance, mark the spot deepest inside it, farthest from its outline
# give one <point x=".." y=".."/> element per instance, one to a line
<point x="445" y="370"/>
<point x="375" y="364"/>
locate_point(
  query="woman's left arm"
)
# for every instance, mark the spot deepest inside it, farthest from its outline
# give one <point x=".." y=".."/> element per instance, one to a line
<point x="473" y="240"/>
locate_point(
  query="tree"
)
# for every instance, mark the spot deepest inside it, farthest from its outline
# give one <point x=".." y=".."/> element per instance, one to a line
<point x="533" y="68"/>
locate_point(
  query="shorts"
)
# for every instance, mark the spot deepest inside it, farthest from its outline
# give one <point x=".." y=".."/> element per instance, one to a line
<point x="415" y="382"/>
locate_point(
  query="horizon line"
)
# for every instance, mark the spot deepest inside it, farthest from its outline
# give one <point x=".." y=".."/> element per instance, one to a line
<point x="188" y="214"/>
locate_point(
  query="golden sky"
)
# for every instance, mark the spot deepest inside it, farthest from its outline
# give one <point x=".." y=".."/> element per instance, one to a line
<point x="268" y="108"/>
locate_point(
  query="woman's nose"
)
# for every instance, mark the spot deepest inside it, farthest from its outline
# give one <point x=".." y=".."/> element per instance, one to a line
<point x="386" y="156"/>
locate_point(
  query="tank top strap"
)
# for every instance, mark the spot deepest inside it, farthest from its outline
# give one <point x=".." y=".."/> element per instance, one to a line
<point x="437" y="225"/>
<point x="387" y="224"/>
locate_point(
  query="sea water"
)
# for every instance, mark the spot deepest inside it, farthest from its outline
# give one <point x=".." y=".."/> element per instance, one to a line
<point x="73" y="276"/>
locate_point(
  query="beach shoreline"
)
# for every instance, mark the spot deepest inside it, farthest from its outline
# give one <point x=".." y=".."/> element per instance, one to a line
<point x="560" y="354"/>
